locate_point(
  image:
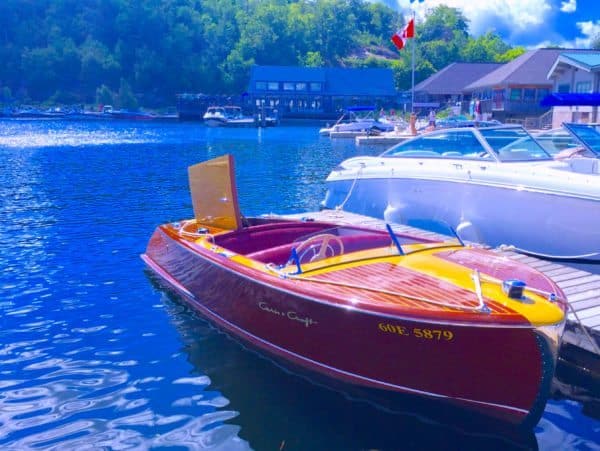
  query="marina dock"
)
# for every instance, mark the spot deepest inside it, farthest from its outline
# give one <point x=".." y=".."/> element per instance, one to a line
<point x="581" y="340"/>
<point x="386" y="139"/>
<point x="347" y="135"/>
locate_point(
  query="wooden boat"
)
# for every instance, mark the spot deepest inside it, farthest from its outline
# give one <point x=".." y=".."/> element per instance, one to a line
<point x="370" y="308"/>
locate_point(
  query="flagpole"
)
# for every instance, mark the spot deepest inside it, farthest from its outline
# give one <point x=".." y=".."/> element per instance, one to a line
<point x="412" y="103"/>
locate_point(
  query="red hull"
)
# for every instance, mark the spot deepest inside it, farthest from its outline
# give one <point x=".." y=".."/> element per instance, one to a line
<point x="501" y="370"/>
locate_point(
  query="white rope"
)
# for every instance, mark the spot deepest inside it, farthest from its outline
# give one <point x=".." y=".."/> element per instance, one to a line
<point x="358" y="174"/>
<point x="510" y="247"/>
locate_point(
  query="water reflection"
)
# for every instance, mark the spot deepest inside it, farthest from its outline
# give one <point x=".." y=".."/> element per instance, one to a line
<point x="282" y="410"/>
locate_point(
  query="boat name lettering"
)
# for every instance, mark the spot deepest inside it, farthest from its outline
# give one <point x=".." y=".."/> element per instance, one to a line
<point x="264" y="306"/>
<point x="291" y="315"/>
<point x="417" y="332"/>
<point x="306" y="321"/>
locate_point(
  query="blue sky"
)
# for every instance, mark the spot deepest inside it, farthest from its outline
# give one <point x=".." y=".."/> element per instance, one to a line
<point x="530" y="23"/>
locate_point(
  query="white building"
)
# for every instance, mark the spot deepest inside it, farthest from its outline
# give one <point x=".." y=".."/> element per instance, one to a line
<point x="576" y="87"/>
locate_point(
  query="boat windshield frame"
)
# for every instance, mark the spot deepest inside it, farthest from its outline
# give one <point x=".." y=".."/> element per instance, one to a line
<point x="528" y="148"/>
<point x="480" y="148"/>
<point x="396" y="241"/>
<point x="574" y="130"/>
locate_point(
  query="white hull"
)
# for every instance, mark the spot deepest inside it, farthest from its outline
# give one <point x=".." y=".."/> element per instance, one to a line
<point x="561" y="220"/>
<point x="214" y="122"/>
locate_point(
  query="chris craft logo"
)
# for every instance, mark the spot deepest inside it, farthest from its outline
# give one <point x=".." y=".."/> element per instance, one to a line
<point x="290" y="314"/>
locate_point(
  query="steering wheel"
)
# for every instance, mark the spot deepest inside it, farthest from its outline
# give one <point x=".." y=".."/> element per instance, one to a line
<point x="318" y="247"/>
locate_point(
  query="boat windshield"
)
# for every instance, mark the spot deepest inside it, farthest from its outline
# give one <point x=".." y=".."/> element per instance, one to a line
<point x="514" y="144"/>
<point x="233" y="112"/>
<point x="346" y="239"/>
<point x="556" y="141"/>
<point x="588" y="135"/>
<point x="451" y="143"/>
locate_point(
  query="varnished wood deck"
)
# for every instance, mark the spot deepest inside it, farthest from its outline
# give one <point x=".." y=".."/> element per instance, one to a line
<point x="581" y="288"/>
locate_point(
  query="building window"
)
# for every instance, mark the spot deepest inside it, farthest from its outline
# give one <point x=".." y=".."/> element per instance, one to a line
<point x="529" y="95"/>
<point x="542" y="92"/>
<point x="300" y="86"/>
<point x="261" y="85"/>
<point x="583" y="86"/>
<point x="515" y="93"/>
<point x="288" y="86"/>
<point x="564" y="87"/>
<point x="315" y="86"/>
<point x="273" y="86"/>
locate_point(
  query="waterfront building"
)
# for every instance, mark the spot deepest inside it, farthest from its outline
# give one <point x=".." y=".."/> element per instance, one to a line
<point x="515" y="89"/>
<point x="576" y="87"/>
<point x="319" y="92"/>
<point x="447" y="86"/>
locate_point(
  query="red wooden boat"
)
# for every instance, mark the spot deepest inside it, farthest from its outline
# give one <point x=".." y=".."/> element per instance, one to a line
<point x="366" y="307"/>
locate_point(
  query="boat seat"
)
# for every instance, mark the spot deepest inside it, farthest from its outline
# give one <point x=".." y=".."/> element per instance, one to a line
<point x="266" y="236"/>
<point x="278" y="255"/>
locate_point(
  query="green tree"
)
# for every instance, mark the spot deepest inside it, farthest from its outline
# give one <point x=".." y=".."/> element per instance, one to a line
<point x="510" y="54"/>
<point x="313" y="59"/>
<point x="69" y="50"/>
<point x="126" y="98"/>
<point x="104" y="96"/>
<point x="485" y="48"/>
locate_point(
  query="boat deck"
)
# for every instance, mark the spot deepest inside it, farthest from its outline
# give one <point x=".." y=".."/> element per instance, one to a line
<point x="581" y="288"/>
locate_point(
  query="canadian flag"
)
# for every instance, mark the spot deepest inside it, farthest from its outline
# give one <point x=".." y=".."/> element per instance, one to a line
<point x="399" y="38"/>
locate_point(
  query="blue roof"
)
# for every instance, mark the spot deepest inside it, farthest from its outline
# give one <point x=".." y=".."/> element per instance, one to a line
<point x="589" y="60"/>
<point x="287" y="73"/>
<point x="571" y="99"/>
<point x="336" y="80"/>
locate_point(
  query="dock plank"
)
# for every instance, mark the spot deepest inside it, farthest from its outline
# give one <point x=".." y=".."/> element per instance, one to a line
<point x="588" y="312"/>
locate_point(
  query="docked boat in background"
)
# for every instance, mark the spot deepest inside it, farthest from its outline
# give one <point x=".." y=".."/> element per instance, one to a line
<point x="386" y="312"/>
<point x="494" y="185"/>
<point x="463" y="121"/>
<point x="227" y="116"/>
<point x="356" y="121"/>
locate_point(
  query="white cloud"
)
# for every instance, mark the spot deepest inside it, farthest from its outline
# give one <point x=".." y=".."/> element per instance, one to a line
<point x="570" y="6"/>
<point x="589" y="30"/>
<point x="516" y="16"/>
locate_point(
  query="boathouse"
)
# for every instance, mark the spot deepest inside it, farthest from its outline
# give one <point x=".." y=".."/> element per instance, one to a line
<point x="447" y="86"/>
<point x="576" y="87"/>
<point x="319" y="92"/>
<point x="515" y="89"/>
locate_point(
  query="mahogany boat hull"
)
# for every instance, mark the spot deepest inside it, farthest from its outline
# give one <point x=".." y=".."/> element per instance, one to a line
<point x="501" y="370"/>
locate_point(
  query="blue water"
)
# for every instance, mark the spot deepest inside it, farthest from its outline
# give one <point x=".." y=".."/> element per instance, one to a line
<point x="94" y="355"/>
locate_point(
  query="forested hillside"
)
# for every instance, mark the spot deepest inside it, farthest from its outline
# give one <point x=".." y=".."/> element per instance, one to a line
<point x="131" y="52"/>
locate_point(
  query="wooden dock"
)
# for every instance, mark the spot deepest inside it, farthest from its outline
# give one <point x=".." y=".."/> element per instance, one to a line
<point x="347" y="135"/>
<point x="581" y="339"/>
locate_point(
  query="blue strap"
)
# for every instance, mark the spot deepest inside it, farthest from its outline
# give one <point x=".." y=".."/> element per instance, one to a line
<point x="394" y="238"/>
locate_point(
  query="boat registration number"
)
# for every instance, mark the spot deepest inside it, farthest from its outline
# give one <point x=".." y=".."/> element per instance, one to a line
<point x="417" y="332"/>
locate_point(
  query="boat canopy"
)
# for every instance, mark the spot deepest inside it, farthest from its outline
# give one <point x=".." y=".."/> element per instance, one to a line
<point x="571" y="99"/>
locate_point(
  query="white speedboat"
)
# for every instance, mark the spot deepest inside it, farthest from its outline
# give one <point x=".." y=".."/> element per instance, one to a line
<point x="494" y="185"/>
<point x="356" y="121"/>
<point x="227" y="116"/>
